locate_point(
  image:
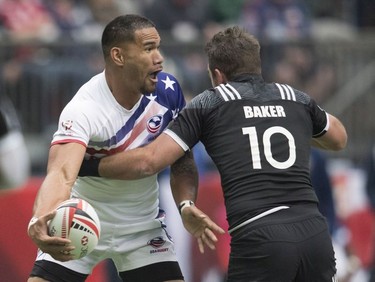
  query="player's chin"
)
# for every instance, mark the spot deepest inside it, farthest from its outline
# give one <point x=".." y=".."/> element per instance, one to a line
<point x="150" y="85"/>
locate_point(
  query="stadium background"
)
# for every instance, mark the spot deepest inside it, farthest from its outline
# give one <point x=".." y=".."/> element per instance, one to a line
<point x="48" y="48"/>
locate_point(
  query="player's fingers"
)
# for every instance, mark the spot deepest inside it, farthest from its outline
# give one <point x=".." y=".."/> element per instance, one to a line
<point x="216" y="228"/>
<point x="56" y="248"/>
<point x="47" y="217"/>
<point x="200" y="245"/>
<point x="212" y="225"/>
<point x="59" y="241"/>
<point x="207" y="240"/>
<point x="210" y="235"/>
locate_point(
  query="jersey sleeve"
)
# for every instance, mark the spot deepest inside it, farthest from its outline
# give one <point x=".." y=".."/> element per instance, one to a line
<point x="74" y="125"/>
<point x="319" y="118"/>
<point x="171" y="94"/>
<point x="187" y="128"/>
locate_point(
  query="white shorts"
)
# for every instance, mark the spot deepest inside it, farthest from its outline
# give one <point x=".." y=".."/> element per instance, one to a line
<point x="127" y="246"/>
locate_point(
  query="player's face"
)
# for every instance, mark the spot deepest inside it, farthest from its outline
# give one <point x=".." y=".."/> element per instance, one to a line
<point x="143" y="59"/>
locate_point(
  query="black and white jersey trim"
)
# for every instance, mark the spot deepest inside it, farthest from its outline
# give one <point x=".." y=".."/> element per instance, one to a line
<point x="228" y="92"/>
<point x="286" y="92"/>
<point x="177" y="139"/>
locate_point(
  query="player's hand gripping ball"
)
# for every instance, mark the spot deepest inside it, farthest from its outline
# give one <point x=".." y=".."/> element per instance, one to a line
<point x="78" y="221"/>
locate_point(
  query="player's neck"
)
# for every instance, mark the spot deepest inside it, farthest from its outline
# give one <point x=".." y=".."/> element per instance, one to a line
<point x="124" y="95"/>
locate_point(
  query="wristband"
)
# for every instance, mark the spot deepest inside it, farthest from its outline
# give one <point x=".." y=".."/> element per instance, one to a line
<point x="32" y="221"/>
<point x="89" y="167"/>
<point x="185" y="204"/>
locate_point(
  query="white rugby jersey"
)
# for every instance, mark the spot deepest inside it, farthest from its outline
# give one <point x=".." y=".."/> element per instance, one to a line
<point x="94" y="119"/>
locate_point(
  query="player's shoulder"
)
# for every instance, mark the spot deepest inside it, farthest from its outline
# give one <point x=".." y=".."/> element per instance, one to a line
<point x="206" y="99"/>
<point x="86" y="101"/>
<point x="167" y="84"/>
<point x="288" y="93"/>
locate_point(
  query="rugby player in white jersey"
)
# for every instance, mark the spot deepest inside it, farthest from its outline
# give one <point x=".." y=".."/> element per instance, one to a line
<point x="124" y="107"/>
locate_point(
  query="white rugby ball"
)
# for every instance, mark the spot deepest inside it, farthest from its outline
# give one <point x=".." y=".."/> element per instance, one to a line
<point x="78" y="221"/>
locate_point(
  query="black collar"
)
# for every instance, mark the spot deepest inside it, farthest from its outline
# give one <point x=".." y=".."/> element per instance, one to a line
<point x="247" y="77"/>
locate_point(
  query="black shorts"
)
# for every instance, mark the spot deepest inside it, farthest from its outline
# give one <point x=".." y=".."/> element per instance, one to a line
<point x="157" y="272"/>
<point x="283" y="247"/>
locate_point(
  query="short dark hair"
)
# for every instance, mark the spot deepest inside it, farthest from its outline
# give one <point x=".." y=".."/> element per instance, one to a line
<point x="234" y="51"/>
<point x="121" y="29"/>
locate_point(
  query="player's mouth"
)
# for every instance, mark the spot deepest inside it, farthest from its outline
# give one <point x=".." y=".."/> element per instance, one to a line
<point x="154" y="76"/>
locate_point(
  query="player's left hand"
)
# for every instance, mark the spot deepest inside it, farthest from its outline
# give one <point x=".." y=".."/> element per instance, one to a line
<point x="201" y="227"/>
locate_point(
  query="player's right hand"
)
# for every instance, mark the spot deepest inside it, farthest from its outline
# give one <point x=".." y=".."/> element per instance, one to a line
<point x="57" y="247"/>
<point x="201" y="227"/>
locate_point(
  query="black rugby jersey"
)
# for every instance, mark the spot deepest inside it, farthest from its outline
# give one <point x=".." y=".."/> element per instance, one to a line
<point x="258" y="134"/>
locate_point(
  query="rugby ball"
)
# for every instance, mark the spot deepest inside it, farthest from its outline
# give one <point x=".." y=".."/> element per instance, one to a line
<point x="78" y="221"/>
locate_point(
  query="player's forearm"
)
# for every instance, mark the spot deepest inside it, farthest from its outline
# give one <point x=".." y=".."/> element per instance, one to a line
<point x="53" y="191"/>
<point x="141" y="162"/>
<point x="63" y="165"/>
<point x="184" y="179"/>
<point x="128" y="165"/>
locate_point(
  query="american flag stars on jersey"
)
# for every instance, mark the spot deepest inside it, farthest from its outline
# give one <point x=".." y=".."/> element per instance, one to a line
<point x="153" y="114"/>
<point x="168" y="83"/>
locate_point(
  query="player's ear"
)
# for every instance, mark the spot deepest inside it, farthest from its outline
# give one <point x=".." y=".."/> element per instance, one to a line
<point x="117" y="56"/>
<point x="220" y="77"/>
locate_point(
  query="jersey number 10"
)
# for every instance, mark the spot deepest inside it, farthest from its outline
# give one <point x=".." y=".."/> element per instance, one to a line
<point x="254" y="147"/>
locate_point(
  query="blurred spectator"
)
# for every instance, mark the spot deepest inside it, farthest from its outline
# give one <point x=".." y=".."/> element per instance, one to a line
<point x="74" y="19"/>
<point x="27" y="20"/>
<point x="105" y="10"/>
<point x="298" y="66"/>
<point x="226" y="12"/>
<point x="184" y="19"/>
<point x="14" y="157"/>
<point x="57" y="62"/>
<point x="326" y="9"/>
<point x="276" y="20"/>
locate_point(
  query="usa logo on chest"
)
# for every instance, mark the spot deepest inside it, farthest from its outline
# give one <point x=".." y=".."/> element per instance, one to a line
<point x="154" y="124"/>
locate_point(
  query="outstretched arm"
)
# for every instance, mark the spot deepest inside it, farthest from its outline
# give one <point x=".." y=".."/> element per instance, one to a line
<point x="63" y="165"/>
<point x="143" y="161"/>
<point x="151" y="159"/>
<point x="184" y="184"/>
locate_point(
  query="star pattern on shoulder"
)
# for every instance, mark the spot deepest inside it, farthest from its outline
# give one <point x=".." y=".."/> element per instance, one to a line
<point x="168" y="83"/>
<point x="151" y="97"/>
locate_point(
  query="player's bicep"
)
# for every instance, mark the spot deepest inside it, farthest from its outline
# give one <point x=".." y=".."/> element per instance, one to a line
<point x="164" y="151"/>
<point x="335" y="138"/>
<point x="65" y="160"/>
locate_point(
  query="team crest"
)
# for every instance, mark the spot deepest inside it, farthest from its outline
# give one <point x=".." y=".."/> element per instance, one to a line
<point x="154" y="124"/>
<point x="156" y="242"/>
<point x="67" y="124"/>
<point x="157" y="245"/>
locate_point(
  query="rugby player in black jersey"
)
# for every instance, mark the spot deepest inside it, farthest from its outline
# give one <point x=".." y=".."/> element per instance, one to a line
<point x="259" y="136"/>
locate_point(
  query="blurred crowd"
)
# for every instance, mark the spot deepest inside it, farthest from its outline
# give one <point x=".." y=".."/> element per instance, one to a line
<point x="56" y="48"/>
<point x="66" y="26"/>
